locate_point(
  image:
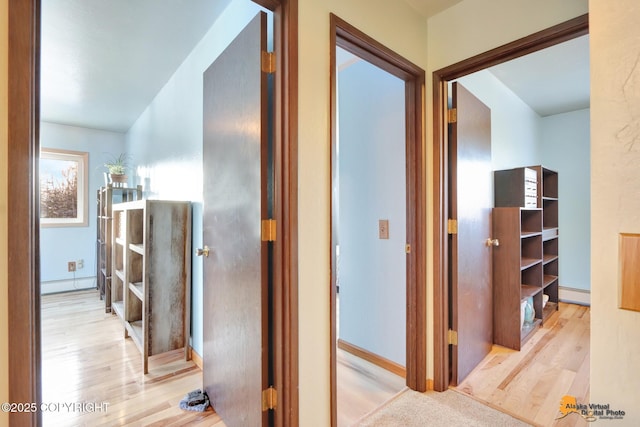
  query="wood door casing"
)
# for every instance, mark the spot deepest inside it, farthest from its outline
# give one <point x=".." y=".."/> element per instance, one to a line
<point x="471" y="202"/>
<point x="236" y="334"/>
<point x="564" y="31"/>
<point x="24" y="284"/>
<point x="355" y="41"/>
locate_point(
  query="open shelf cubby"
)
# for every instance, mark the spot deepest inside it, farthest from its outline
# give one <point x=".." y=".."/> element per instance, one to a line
<point x="525" y="265"/>
<point x="152" y="256"/>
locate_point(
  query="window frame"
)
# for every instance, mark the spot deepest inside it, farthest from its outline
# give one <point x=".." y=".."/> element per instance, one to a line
<point x="82" y="158"/>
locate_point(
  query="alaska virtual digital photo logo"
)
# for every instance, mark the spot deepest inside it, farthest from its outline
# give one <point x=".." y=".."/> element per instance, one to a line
<point x="590" y="412"/>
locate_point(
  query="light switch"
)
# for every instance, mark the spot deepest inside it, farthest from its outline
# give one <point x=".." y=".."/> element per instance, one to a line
<point x="383" y="229"/>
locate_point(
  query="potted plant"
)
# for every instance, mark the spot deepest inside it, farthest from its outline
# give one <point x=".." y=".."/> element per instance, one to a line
<point x="117" y="167"/>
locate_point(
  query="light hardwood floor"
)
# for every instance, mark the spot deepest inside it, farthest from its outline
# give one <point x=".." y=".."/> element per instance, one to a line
<point x="362" y="387"/>
<point x="530" y="383"/>
<point x="86" y="359"/>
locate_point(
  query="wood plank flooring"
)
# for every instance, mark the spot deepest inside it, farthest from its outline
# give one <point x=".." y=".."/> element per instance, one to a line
<point x="530" y="383"/>
<point x="362" y="387"/>
<point x="85" y="358"/>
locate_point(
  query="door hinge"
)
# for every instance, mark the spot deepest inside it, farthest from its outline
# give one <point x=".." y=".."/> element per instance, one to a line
<point x="269" y="399"/>
<point x="452" y="226"/>
<point x="268" y="62"/>
<point x="452" y="115"/>
<point x="268" y="230"/>
<point x="452" y="337"/>
<point x="407" y="248"/>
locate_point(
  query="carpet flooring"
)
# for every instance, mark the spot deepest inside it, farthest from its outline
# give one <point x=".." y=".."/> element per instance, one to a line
<point x="450" y="408"/>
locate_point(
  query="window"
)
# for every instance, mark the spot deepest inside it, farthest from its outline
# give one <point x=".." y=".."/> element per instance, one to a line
<point x="63" y="188"/>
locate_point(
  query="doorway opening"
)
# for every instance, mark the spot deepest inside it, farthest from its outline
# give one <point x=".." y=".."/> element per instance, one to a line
<point x="24" y="271"/>
<point x="444" y="310"/>
<point x="373" y="227"/>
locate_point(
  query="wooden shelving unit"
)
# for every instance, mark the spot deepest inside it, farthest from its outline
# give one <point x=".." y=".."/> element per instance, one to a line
<point x="517" y="272"/>
<point x="525" y="265"/>
<point x="106" y="197"/>
<point x="548" y="200"/>
<point x="150" y="290"/>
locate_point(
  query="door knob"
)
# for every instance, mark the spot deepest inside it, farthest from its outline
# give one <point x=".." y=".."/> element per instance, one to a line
<point x="492" y="242"/>
<point x="204" y="251"/>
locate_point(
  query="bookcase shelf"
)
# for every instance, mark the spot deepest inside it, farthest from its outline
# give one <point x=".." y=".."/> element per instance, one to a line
<point x="106" y="197"/>
<point x="525" y="265"/>
<point x="517" y="271"/>
<point x="153" y="270"/>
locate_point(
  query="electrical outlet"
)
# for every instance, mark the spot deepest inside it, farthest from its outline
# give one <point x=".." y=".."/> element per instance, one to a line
<point x="71" y="266"/>
<point x="80" y="264"/>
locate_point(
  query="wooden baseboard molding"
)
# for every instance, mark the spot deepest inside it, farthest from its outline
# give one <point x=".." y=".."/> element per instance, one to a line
<point x="430" y="384"/>
<point x="377" y="360"/>
<point x="197" y="359"/>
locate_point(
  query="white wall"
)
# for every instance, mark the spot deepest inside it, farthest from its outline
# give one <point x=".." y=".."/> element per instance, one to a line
<point x="615" y="200"/>
<point x="566" y="147"/>
<point x="372" y="272"/>
<point x="166" y="140"/>
<point x="79" y="242"/>
<point x="515" y="127"/>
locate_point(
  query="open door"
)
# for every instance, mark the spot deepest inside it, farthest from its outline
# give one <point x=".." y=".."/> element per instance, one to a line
<point x="471" y="201"/>
<point x="236" y="277"/>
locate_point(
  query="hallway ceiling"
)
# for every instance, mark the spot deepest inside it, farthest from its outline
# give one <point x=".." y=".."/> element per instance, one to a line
<point x="103" y="62"/>
<point x="551" y="81"/>
<point x="428" y="8"/>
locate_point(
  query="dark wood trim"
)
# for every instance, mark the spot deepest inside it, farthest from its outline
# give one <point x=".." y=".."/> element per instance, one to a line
<point x="23" y="223"/>
<point x="440" y="237"/>
<point x="285" y="292"/>
<point x="24" y="270"/>
<point x="370" y="357"/>
<point x="568" y="30"/>
<point x="333" y="318"/>
<point x="562" y="32"/>
<point x="351" y="39"/>
<point x="193" y="355"/>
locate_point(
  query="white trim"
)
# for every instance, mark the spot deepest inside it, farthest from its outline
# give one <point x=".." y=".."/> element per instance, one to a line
<point x="56" y="286"/>
<point x="576" y="296"/>
<point x="82" y="176"/>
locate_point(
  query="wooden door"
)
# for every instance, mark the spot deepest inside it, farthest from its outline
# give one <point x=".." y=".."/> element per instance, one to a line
<point x="235" y="140"/>
<point x="471" y="199"/>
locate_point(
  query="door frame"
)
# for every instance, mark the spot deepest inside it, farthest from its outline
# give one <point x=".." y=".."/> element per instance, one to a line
<point x="23" y="217"/>
<point x="355" y="41"/>
<point x="562" y="32"/>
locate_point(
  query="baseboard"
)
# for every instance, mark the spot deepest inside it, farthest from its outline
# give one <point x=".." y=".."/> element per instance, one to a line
<point x="377" y="360"/>
<point x="197" y="359"/>
<point x="57" y="286"/>
<point x="574" y="296"/>
<point x="429" y="384"/>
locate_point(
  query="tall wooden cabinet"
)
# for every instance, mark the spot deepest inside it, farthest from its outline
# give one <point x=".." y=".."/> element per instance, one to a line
<point x="525" y="265"/>
<point x="107" y="196"/>
<point x="150" y="288"/>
